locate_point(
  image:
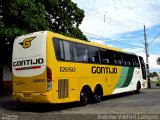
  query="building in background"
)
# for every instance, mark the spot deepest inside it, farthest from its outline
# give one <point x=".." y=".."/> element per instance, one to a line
<point x="5" y="78"/>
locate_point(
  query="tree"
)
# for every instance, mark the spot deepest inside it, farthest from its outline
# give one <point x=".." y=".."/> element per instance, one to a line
<point x="154" y="74"/>
<point x="19" y="17"/>
<point x="64" y="17"/>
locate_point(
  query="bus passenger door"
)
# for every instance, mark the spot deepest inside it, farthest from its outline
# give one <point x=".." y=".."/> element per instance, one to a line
<point x="143" y="69"/>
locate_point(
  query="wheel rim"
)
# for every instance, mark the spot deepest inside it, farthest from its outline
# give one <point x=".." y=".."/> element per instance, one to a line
<point x="98" y="96"/>
<point x="84" y="98"/>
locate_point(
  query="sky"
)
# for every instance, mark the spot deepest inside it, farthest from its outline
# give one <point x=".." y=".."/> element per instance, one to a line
<point x="120" y="23"/>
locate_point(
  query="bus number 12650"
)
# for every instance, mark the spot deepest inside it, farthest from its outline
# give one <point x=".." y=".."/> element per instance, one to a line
<point x="67" y="69"/>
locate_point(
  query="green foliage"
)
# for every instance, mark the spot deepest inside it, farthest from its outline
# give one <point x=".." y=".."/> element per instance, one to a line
<point x="26" y="16"/>
<point x="64" y="17"/>
<point x="154" y="74"/>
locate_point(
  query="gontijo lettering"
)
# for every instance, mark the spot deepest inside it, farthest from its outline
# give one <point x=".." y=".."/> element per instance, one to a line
<point x="103" y="70"/>
<point x="28" y="62"/>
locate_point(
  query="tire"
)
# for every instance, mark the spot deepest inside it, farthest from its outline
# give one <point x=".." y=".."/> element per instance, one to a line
<point x="84" y="97"/>
<point x="138" y="88"/>
<point x="97" y="95"/>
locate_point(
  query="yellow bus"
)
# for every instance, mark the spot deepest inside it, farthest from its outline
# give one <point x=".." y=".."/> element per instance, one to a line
<point x="52" y="68"/>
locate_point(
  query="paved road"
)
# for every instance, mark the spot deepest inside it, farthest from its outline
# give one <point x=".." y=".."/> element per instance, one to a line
<point x="147" y="102"/>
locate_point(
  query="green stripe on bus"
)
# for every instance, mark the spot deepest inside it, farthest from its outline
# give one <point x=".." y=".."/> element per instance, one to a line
<point x="129" y="77"/>
<point x="122" y="78"/>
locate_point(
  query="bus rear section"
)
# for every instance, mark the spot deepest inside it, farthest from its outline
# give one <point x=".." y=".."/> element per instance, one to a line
<point x="31" y="77"/>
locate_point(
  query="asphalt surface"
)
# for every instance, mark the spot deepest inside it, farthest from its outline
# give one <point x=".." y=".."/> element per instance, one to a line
<point x="146" y="102"/>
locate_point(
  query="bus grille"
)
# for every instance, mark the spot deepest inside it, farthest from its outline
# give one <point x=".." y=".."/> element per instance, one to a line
<point x="62" y="88"/>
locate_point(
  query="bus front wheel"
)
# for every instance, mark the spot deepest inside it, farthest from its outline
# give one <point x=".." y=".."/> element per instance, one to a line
<point x="138" y="88"/>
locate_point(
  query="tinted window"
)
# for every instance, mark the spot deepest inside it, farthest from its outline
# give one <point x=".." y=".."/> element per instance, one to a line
<point x="93" y="54"/>
<point x="135" y="61"/>
<point x="80" y="52"/>
<point x="72" y="51"/>
<point x="106" y="56"/>
<point x="127" y="61"/>
<point x="57" y="48"/>
<point x="130" y="60"/>
<point x="67" y="50"/>
<point x="63" y="50"/>
<point x="117" y="56"/>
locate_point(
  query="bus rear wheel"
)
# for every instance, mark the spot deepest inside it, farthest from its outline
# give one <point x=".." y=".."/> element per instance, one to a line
<point x="98" y="94"/>
<point x="84" y="97"/>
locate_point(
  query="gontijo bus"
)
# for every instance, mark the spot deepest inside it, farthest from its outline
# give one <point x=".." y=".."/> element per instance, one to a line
<point x="51" y="68"/>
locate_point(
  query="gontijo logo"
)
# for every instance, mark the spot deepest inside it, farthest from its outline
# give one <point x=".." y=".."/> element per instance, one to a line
<point x="27" y="42"/>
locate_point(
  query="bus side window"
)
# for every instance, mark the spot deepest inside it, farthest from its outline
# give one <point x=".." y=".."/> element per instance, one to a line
<point x="136" y="61"/>
<point x="63" y="49"/>
<point x="105" y="56"/>
<point x="67" y="51"/>
<point x="133" y="61"/>
<point x="117" y="58"/>
<point x="80" y="52"/>
<point x="128" y="60"/>
<point x="124" y="59"/>
<point x="93" y="54"/>
<point x="59" y="51"/>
